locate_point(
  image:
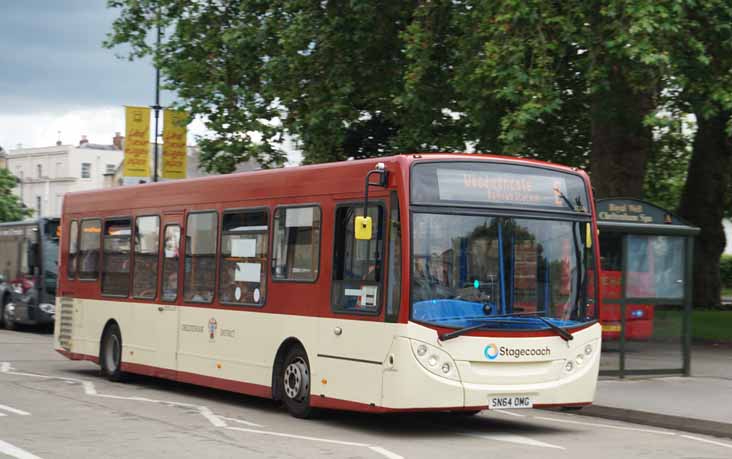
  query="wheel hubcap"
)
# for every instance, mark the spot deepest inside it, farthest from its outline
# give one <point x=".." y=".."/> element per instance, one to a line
<point x="112" y="353"/>
<point x="297" y="380"/>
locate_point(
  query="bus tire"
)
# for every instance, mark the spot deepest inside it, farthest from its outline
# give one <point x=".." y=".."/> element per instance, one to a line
<point x="8" y="320"/>
<point x="2" y="310"/>
<point x="110" y="353"/>
<point x="295" y="383"/>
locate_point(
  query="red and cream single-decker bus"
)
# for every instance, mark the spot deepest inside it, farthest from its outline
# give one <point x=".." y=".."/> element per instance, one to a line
<point x="447" y="282"/>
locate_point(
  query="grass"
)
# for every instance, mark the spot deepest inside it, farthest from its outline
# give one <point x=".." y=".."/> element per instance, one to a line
<point x="705" y="325"/>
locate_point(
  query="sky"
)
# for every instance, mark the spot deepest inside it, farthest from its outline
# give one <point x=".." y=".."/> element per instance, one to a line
<point x="57" y="82"/>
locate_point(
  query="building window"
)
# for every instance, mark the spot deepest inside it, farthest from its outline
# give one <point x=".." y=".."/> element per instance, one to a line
<point x="296" y="245"/>
<point x="110" y="168"/>
<point x="85" y="170"/>
<point x="39" y="170"/>
<point x="38" y="205"/>
<point x="116" y="273"/>
<point x="357" y="265"/>
<point x="73" y="249"/>
<point x="200" y="263"/>
<point x="244" y="240"/>
<point x="89" y="249"/>
<point x="145" y="274"/>
<point x="171" y="249"/>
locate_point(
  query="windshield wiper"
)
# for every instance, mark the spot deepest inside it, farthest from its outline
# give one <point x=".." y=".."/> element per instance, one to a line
<point x="564" y="334"/>
<point x="579" y="208"/>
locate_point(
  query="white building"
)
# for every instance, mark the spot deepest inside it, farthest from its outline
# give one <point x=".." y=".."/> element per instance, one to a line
<point x="45" y="174"/>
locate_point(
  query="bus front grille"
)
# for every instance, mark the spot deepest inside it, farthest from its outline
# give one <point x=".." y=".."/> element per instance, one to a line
<point x="66" y="322"/>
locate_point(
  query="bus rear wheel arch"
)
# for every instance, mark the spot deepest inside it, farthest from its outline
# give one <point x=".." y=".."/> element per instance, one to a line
<point x="110" y="352"/>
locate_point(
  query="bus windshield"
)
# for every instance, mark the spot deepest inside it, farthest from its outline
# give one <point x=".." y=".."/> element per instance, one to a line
<point x="501" y="271"/>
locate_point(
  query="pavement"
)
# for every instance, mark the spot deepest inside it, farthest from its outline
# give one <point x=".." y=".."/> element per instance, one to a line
<point x="701" y="403"/>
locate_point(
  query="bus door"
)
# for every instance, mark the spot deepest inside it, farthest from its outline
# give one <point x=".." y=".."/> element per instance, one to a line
<point x="168" y="313"/>
<point x="354" y="340"/>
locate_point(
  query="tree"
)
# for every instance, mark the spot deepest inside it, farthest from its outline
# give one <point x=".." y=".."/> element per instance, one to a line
<point x="326" y="73"/>
<point x="11" y="209"/>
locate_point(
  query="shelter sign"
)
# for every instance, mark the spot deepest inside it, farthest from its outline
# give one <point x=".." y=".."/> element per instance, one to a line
<point x="137" y="142"/>
<point x="174" y="144"/>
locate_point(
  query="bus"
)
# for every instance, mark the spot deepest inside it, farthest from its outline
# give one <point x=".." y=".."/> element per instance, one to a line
<point x="638" y="316"/>
<point x="420" y="282"/>
<point x="28" y="268"/>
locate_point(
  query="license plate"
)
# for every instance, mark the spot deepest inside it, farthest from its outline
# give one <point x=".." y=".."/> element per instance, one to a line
<point x="614" y="328"/>
<point x="510" y="402"/>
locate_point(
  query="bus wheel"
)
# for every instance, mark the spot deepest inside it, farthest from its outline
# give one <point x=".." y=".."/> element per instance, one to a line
<point x="110" y="357"/>
<point x="296" y="383"/>
<point x="8" y="315"/>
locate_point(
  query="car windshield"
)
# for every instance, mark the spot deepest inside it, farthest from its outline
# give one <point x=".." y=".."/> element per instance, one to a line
<point x="468" y="270"/>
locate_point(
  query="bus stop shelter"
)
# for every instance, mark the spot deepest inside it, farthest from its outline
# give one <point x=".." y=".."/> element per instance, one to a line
<point x="646" y="283"/>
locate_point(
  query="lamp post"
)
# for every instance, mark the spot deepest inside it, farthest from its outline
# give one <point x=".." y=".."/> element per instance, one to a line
<point x="157" y="106"/>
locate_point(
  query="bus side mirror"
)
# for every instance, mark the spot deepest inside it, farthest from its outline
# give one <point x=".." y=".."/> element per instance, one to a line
<point x="363" y="227"/>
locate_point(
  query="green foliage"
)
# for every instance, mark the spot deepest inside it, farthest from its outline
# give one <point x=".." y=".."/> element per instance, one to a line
<point x="669" y="161"/>
<point x="11" y="209"/>
<point x="725" y="268"/>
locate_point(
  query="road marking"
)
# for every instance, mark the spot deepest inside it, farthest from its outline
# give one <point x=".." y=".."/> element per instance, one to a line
<point x="14" y="451"/>
<point x="376" y="449"/>
<point x="726" y="445"/>
<point x="607" y="426"/>
<point x="217" y="421"/>
<point x="385" y="452"/>
<point x="517" y="439"/>
<point x="246" y="423"/>
<point x="2" y="414"/>
<point x="298" y="437"/>
<point x="508" y="413"/>
<point x="14" y="410"/>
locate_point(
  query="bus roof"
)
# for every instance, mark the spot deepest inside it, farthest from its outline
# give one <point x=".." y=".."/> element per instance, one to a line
<point x="290" y="182"/>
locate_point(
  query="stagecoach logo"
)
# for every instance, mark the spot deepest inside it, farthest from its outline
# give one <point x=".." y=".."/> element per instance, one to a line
<point x="491" y="351"/>
<point x="212" y="324"/>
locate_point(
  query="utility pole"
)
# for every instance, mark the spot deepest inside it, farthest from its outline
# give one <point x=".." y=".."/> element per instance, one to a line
<point x="157" y="106"/>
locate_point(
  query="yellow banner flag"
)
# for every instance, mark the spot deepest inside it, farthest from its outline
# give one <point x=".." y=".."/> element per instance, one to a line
<point x="137" y="142"/>
<point x="174" y="144"/>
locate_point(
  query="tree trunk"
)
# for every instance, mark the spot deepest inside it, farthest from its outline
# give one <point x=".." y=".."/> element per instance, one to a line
<point x="702" y="203"/>
<point x="621" y="143"/>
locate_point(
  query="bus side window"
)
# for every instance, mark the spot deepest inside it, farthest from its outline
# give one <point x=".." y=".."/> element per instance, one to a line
<point x="145" y="272"/>
<point x="171" y="249"/>
<point x="245" y="235"/>
<point x="358" y="264"/>
<point x="73" y="249"/>
<point x="296" y="245"/>
<point x="200" y="263"/>
<point x="116" y="266"/>
<point x="89" y="249"/>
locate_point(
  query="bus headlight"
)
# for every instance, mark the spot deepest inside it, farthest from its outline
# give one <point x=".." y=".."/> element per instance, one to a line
<point x="569" y="366"/>
<point x="588" y="350"/>
<point x="47" y="308"/>
<point x="435" y="360"/>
